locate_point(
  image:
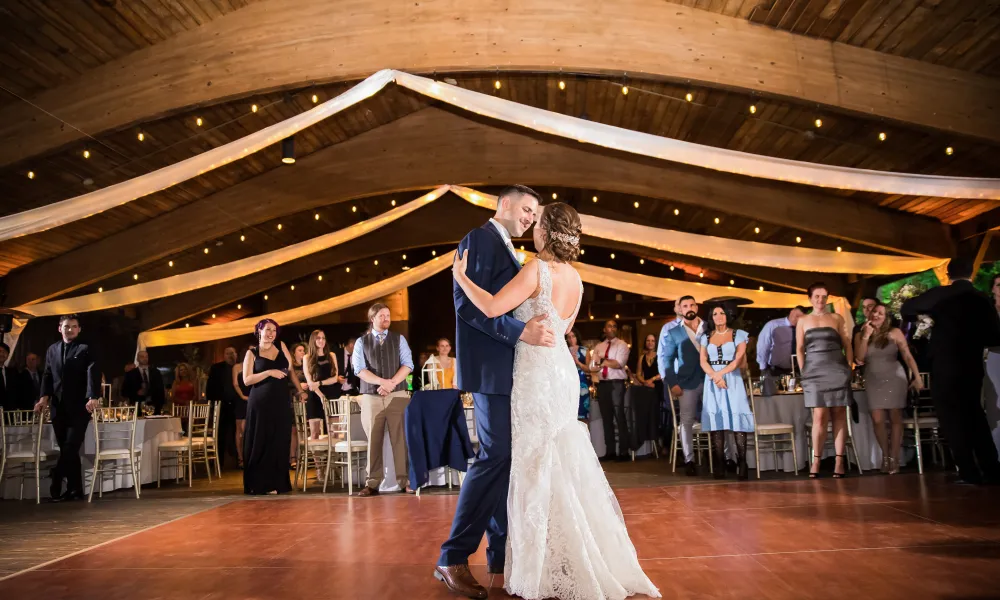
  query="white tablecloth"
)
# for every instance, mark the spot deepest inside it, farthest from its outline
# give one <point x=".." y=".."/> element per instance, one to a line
<point x="149" y="434"/>
<point x="791" y="408"/>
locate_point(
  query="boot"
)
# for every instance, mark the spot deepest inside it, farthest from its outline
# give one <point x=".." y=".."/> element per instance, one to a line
<point x="718" y="439"/>
<point x="742" y="472"/>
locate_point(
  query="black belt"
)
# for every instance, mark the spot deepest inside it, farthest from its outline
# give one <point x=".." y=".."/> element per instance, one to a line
<point x="720" y="362"/>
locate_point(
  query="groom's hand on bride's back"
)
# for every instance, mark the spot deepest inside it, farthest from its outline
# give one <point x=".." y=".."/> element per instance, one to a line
<point x="537" y="333"/>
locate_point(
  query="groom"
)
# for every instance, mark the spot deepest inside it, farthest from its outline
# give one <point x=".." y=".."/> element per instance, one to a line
<point x="485" y="356"/>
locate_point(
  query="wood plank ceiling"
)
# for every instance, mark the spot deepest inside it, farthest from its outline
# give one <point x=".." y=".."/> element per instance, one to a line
<point x="714" y="117"/>
<point x="960" y="34"/>
<point x="44" y="43"/>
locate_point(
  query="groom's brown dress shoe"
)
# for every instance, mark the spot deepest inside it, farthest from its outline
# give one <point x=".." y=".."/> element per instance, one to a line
<point x="459" y="580"/>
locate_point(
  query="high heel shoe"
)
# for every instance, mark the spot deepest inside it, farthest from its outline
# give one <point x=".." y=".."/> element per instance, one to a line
<point x="837" y="475"/>
<point x="812" y="474"/>
<point x="893" y="466"/>
<point x="886" y="464"/>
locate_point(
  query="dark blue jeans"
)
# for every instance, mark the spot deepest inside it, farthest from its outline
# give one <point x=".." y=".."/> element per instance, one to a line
<point x="482" y="502"/>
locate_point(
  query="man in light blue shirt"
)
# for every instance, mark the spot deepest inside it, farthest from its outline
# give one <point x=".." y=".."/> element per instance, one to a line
<point x="776" y="344"/>
<point x="382" y="360"/>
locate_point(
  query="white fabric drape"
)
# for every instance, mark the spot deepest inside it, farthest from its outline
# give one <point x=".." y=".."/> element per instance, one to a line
<point x="202" y="278"/>
<point x="703" y="246"/>
<point x="216" y="331"/>
<point x="719" y="159"/>
<point x="12" y="337"/>
<point x="736" y="251"/>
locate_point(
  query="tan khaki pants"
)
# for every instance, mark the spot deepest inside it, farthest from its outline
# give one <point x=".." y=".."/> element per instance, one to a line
<point x="377" y="412"/>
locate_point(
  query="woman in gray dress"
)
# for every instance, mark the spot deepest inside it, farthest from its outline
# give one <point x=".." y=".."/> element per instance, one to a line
<point x="878" y="347"/>
<point x="822" y="341"/>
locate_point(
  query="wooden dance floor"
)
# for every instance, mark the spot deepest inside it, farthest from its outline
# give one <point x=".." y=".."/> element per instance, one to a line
<point x="867" y="537"/>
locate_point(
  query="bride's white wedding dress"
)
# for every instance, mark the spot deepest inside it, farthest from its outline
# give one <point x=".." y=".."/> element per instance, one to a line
<point x="566" y="536"/>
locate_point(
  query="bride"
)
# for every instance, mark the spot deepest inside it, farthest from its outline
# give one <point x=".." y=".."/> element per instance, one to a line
<point x="566" y="535"/>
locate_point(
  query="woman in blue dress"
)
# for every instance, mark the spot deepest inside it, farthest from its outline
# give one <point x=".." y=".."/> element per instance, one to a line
<point x="725" y="406"/>
<point x="580" y="358"/>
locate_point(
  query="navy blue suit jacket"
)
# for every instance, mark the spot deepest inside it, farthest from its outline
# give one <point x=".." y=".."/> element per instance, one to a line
<point x="677" y="346"/>
<point x="484" y="347"/>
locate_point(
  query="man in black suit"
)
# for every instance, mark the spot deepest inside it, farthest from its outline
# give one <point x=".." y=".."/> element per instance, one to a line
<point x="10" y="389"/>
<point x="31" y="381"/>
<point x="220" y="388"/>
<point x="144" y="384"/>
<point x="71" y="389"/>
<point x="965" y="323"/>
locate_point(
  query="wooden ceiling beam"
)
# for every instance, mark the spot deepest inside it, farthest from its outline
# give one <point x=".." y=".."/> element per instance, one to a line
<point x="434" y="146"/>
<point x="280" y="44"/>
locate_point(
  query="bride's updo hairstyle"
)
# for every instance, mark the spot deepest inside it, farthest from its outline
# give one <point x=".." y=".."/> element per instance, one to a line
<point x="562" y="228"/>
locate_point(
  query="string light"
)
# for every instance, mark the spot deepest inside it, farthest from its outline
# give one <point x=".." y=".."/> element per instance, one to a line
<point x="949" y="150"/>
<point x="732" y="282"/>
<point x="881" y="136"/>
<point x="198" y="122"/>
<point x="636" y="204"/>
<point x="265" y="296"/>
<point x="354" y="209"/>
<point x="591" y="317"/>
<point x="689" y="97"/>
<point x="279" y="226"/>
<point x="293" y="287"/>
<point x="616" y="316"/>
<point x="253" y="108"/>
<point x="582" y="251"/>
<point x="595" y="199"/>
<point x="135" y="276"/>
<point x="170" y="264"/>
<point x="651" y="314"/>
<point x="376" y="263"/>
<point x="319" y="278"/>
<point x="239" y="307"/>
<point x="702" y="274"/>
<point x="677" y="211"/>
<point x="671" y="267"/>
<point x="756" y="229"/>
<point x="496" y="84"/>
<point x="31" y="174"/>
<point x="839" y="249"/>
<point x="243" y="238"/>
<point x="86" y="153"/>
<point x="642" y="261"/>
<point x="213" y="315"/>
<point x="434" y="253"/>
<point x="818" y="122"/>
<point x="315" y="98"/>
<point x="392" y="203"/>
<point x="717" y="221"/>
<point x="316" y="216"/>
<point x="187" y="324"/>
<point x="554" y="195"/>
<point x="753" y="109"/>
<point x="625" y="90"/>
<point x="762" y="288"/>
<point x="562" y="85"/>
<point x="206" y="250"/>
<point x="798" y="240"/>
<point x="348" y="269"/>
<point x="612" y="256"/>
<point x="100" y="289"/>
<point x="522" y="247"/>
<point x="141" y="136"/>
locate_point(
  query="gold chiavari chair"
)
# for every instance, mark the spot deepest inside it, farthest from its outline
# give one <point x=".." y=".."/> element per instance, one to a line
<point x="780" y="437"/>
<point x="115" y="451"/>
<point x="183" y="453"/>
<point x="342" y="450"/>
<point x="315" y="451"/>
<point x="212" y="440"/>
<point x="21" y="433"/>
<point x="923" y="426"/>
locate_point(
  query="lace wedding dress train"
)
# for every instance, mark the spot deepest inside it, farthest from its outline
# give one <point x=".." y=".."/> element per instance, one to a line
<point x="566" y="535"/>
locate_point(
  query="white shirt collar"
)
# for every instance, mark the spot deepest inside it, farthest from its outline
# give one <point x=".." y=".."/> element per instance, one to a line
<point x="503" y="231"/>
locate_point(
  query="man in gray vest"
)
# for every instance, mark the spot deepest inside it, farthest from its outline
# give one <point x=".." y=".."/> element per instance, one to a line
<point x="776" y="344"/>
<point x="382" y="360"/>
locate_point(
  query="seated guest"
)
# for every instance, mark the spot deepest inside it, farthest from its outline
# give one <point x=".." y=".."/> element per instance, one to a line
<point x="351" y="385"/>
<point x="679" y="361"/>
<point x="725" y="406"/>
<point x="183" y="390"/>
<point x="441" y="367"/>
<point x="776" y="344"/>
<point x="10" y="379"/>
<point x="144" y="384"/>
<point x="579" y="354"/>
<point x="71" y="390"/>
<point x="382" y="359"/>
<point x="879" y="345"/>
<point x="321" y="377"/>
<point x="31" y="381"/>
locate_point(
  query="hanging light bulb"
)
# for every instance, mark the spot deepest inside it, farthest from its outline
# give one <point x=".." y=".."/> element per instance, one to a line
<point x="717" y="220"/>
<point x="206" y="250"/>
<point x="732" y="282"/>
<point x="881" y="136"/>
<point x="702" y="274"/>
<point x="239" y="307"/>
<point x="496" y="84"/>
<point x="798" y="240"/>
<point x="595" y="199"/>
<point x="253" y="108"/>
<point x="288" y="150"/>
<point x="434" y="253"/>
<point x="86" y="153"/>
<point x="949" y="150"/>
<point x="354" y="209"/>
<point x="392" y="203"/>
<point x="671" y="267"/>
<point x="677" y="211"/>
<point x="279" y="226"/>
<point x="187" y="324"/>
<point x="316" y="216"/>
<point x="100" y="289"/>
<point x="839" y="249"/>
<point x="170" y="264"/>
<point x="243" y="238"/>
<point x="198" y="122"/>
<point x="818" y="123"/>
<point x="213" y="315"/>
<point x="616" y="316"/>
<point x="376" y="263"/>
<point x="554" y="195"/>
<point x="319" y="278"/>
<point x="135" y="276"/>
<point x="141" y="136"/>
<point x="753" y="109"/>
<point x="625" y="90"/>
<point x="31" y="174"/>
<point x="651" y="314"/>
<point x="756" y="229"/>
<point x="582" y="251"/>
<point x="293" y="287"/>
<point x="348" y="269"/>
<point x="689" y="97"/>
<point x="562" y="85"/>
<point x="636" y="204"/>
<point x="265" y="296"/>
<point x="612" y="256"/>
<point x="762" y="288"/>
<point x="404" y="257"/>
<point x="315" y="98"/>
<point x="642" y="261"/>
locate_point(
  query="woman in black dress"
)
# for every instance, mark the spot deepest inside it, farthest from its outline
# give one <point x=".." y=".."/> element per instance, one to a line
<point x="647" y="393"/>
<point x="269" y="415"/>
<point x="321" y="376"/>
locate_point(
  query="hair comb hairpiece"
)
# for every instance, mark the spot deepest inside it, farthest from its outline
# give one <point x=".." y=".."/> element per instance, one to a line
<point x="573" y="240"/>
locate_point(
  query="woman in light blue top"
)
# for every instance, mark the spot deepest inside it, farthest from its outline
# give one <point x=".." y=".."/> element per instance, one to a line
<point x="725" y="406"/>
